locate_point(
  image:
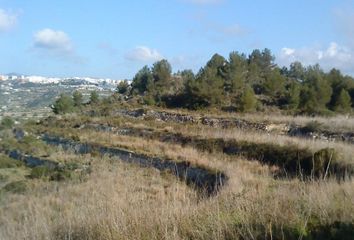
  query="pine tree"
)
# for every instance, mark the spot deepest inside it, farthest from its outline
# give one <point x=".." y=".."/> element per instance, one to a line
<point x="123" y="87"/>
<point x="64" y="104"/>
<point x="162" y="80"/>
<point x="274" y="84"/>
<point x="343" y="102"/>
<point x="248" y="101"/>
<point x="94" y="97"/>
<point x="292" y="96"/>
<point x="237" y="74"/>
<point x="208" y="87"/>
<point x="77" y="98"/>
<point x="317" y="92"/>
<point x="142" y="80"/>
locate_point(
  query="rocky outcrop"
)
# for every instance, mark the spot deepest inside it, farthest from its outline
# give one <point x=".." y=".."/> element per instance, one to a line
<point x="277" y="128"/>
<point x="207" y="180"/>
<point x="329" y="136"/>
<point x="291" y="160"/>
<point x="31" y="161"/>
<point x="184" y="118"/>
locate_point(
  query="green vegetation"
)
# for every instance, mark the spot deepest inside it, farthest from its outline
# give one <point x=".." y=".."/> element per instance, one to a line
<point x="123" y="87"/>
<point x="6" y="123"/>
<point x="16" y="187"/>
<point x="64" y="104"/>
<point x="6" y="162"/>
<point x="248" y="100"/>
<point x="243" y="83"/>
<point x="46" y="173"/>
<point x="343" y="102"/>
<point x="28" y="145"/>
<point x="278" y="187"/>
<point x="257" y="202"/>
<point x="94" y="97"/>
<point x="78" y="99"/>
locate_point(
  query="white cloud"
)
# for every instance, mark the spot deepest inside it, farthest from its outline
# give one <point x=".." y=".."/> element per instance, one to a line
<point x="288" y="51"/>
<point x="57" y="45"/>
<point x="332" y="56"/>
<point x="7" y="20"/>
<point x="143" y="54"/>
<point x="52" y="40"/>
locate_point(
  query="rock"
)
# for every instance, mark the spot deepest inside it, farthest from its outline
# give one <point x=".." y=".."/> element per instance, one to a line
<point x="281" y="128"/>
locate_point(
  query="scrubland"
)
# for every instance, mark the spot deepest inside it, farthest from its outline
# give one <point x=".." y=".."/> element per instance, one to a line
<point x="116" y="200"/>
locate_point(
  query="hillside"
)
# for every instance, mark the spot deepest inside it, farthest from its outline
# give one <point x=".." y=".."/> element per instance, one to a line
<point x="114" y="171"/>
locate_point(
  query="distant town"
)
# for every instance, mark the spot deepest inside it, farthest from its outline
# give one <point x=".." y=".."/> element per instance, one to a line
<point x="24" y="96"/>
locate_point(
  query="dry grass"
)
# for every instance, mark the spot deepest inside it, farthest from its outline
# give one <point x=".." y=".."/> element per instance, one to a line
<point x="116" y="200"/>
<point x="337" y="123"/>
<point x="121" y="201"/>
<point x="346" y="150"/>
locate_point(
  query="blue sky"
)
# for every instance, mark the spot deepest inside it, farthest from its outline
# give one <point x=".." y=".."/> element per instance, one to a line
<point x="114" y="39"/>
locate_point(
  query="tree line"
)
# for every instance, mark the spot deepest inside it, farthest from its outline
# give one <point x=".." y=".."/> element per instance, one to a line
<point x="240" y="83"/>
<point x="68" y="104"/>
<point x="244" y="83"/>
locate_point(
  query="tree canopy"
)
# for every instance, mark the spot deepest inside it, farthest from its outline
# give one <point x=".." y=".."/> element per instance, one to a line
<point x="242" y="82"/>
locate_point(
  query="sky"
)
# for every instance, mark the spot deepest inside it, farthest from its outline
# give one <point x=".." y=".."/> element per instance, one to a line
<point x="114" y="39"/>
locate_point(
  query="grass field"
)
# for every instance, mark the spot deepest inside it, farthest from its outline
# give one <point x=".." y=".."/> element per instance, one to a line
<point x="104" y="198"/>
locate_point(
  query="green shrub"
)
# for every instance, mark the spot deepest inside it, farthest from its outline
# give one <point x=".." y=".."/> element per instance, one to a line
<point x="312" y="126"/>
<point x="6" y="123"/>
<point x="248" y="101"/>
<point x="6" y="162"/>
<point x="3" y="178"/>
<point x="77" y="98"/>
<point x="60" y="175"/>
<point x="123" y="87"/>
<point x="64" y="104"/>
<point x="343" y="102"/>
<point x="94" y="97"/>
<point x="57" y="174"/>
<point x="16" y="187"/>
<point x="40" y="172"/>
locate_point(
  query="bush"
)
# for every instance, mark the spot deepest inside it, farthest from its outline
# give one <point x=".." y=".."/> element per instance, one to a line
<point x="312" y="126"/>
<point x="40" y="172"/>
<point x="343" y="102"/>
<point x="248" y="101"/>
<point x="3" y="178"/>
<point x="16" y="187"/>
<point x="6" y="162"/>
<point x="77" y="98"/>
<point x="64" y="104"/>
<point x="123" y="87"/>
<point x="6" y="123"/>
<point x="60" y="175"/>
<point x="94" y="97"/>
<point x="57" y="174"/>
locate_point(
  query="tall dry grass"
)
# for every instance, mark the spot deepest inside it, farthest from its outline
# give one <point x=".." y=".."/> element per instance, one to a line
<point x="345" y="150"/>
<point x="335" y="123"/>
<point x="121" y="201"/>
